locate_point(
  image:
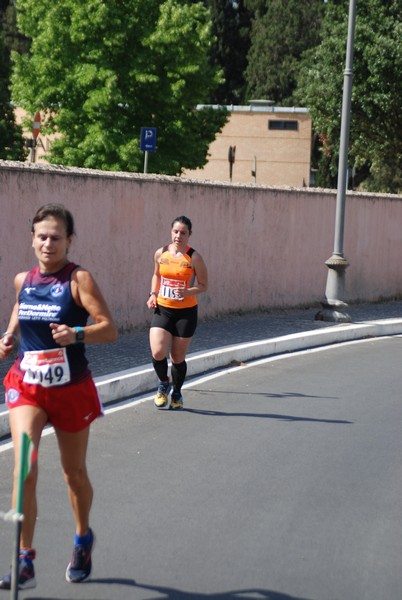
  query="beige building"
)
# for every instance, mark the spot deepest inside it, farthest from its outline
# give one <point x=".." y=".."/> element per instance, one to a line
<point x="272" y="147"/>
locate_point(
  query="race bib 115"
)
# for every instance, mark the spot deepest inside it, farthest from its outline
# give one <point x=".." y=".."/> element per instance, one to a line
<point x="171" y="288"/>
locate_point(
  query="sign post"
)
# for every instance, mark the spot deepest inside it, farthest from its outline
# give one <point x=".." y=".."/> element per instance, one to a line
<point x="254" y="171"/>
<point x="28" y="456"/>
<point x="31" y="144"/>
<point x="148" y="143"/>
<point x="231" y="158"/>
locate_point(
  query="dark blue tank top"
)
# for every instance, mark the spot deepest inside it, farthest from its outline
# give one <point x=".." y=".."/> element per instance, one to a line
<point x="45" y="299"/>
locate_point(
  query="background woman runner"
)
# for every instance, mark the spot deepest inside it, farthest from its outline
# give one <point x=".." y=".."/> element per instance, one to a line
<point x="53" y="303"/>
<point x="179" y="276"/>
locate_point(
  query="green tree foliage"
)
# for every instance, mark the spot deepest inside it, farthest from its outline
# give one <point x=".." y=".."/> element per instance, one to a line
<point x="281" y="31"/>
<point x="231" y="27"/>
<point x="11" y="140"/>
<point x="375" y="147"/>
<point x="100" y="70"/>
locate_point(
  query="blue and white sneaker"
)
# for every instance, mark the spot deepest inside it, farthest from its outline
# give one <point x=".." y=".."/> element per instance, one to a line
<point x="26" y="572"/>
<point x="79" y="568"/>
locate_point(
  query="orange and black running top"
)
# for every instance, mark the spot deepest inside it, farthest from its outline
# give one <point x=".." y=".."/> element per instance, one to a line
<point x="176" y="273"/>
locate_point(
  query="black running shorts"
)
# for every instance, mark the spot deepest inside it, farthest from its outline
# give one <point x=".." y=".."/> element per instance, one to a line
<point x="180" y="322"/>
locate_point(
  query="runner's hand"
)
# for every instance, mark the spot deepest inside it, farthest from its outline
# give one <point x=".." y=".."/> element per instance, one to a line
<point x="62" y="334"/>
<point x="152" y="301"/>
<point x="6" y="345"/>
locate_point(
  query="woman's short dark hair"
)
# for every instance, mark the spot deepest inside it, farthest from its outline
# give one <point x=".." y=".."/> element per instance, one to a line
<point x="58" y="211"/>
<point x="185" y="220"/>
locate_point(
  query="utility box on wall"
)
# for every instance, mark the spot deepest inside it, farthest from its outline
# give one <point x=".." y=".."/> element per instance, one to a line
<point x="273" y="147"/>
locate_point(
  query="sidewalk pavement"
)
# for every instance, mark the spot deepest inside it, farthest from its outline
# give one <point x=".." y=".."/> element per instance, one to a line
<point x="123" y="369"/>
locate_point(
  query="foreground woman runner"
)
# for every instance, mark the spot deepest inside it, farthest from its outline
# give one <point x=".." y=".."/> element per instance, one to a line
<point x="50" y="382"/>
<point x="179" y="276"/>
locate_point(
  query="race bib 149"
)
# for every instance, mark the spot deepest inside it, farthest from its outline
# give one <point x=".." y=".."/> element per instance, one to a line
<point x="46" y="367"/>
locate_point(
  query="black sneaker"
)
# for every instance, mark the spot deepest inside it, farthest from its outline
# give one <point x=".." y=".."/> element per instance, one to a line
<point x="26" y="573"/>
<point x="80" y="566"/>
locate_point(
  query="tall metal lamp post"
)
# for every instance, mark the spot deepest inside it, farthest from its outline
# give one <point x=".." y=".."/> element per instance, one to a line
<point x="333" y="305"/>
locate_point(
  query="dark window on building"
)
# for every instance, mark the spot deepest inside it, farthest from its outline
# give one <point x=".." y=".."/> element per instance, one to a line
<point x="282" y="125"/>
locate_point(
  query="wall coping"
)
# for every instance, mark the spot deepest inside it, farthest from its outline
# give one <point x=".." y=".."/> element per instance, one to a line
<point x="51" y="169"/>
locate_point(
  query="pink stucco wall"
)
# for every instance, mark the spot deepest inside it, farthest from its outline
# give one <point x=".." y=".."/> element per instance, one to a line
<point x="264" y="247"/>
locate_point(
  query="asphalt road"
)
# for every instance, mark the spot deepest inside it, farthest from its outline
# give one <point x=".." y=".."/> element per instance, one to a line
<point x="281" y="480"/>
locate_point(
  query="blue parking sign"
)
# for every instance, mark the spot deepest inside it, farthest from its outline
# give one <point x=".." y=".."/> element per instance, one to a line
<point x="148" y="139"/>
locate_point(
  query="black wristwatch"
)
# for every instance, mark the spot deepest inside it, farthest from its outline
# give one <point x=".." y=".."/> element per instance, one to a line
<point x="79" y="334"/>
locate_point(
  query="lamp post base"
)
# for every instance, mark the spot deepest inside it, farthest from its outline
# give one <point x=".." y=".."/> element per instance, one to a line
<point x="333" y="313"/>
<point x="332" y="305"/>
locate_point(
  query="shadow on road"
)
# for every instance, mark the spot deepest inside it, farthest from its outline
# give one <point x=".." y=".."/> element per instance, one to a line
<point x="247" y="594"/>
<point x="174" y="594"/>
<point x="202" y="392"/>
<point x="218" y="413"/>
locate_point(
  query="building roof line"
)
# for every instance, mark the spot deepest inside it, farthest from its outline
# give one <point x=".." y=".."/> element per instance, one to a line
<point x="252" y="108"/>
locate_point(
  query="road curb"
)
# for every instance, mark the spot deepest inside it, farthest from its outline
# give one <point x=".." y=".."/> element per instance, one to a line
<point x="132" y="382"/>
